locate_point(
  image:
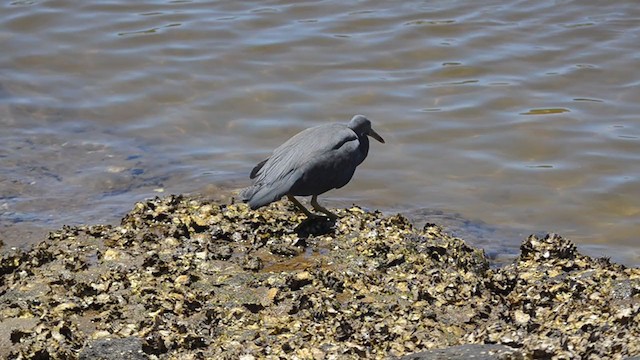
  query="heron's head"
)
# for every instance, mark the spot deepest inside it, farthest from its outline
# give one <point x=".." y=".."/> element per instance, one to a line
<point x="362" y="126"/>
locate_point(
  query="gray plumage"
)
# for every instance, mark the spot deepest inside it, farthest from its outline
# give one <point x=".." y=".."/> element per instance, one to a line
<point x="311" y="163"/>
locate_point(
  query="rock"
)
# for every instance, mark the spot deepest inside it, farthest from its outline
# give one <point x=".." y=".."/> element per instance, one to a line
<point x="186" y="278"/>
<point x="113" y="349"/>
<point x="470" y="351"/>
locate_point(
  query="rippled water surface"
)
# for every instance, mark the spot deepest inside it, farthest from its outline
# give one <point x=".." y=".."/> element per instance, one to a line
<point x="503" y="117"/>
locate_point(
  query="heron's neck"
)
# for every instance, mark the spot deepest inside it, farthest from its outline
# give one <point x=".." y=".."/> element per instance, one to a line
<point x="364" y="146"/>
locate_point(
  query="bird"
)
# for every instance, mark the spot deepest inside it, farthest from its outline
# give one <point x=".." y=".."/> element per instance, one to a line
<point x="310" y="163"/>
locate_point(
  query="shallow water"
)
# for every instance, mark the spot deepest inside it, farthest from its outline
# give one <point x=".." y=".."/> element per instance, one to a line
<point x="507" y="117"/>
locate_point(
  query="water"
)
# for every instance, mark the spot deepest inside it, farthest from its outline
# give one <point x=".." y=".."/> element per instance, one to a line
<point x="501" y="118"/>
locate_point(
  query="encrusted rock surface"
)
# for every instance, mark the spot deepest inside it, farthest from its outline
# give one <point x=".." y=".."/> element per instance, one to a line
<point x="468" y="351"/>
<point x="183" y="278"/>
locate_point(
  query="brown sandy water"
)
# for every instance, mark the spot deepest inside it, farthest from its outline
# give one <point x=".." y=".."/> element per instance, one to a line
<point x="502" y="118"/>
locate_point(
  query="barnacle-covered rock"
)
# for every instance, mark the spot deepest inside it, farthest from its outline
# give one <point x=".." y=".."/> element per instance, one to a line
<point x="559" y="303"/>
<point x="184" y="278"/>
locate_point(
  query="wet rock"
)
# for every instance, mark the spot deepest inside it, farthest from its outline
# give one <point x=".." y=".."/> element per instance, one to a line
<point x="471" y="351"/>
<point x="252" y="263"/>
<point x="186" y="278"/>
<point x="113" y="349"/>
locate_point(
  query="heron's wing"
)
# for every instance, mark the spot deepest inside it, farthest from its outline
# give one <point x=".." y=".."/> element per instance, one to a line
<point x="303" y="148"/>
<point x="330" y="169"/>
<point x="257" y="168"/>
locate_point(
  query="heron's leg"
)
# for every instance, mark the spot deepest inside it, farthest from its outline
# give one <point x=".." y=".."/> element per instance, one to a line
<point x="301" y="207"/>
<point x="317" y="207"/>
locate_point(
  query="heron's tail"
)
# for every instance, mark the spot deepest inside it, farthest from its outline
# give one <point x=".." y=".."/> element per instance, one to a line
<point x="259" y="195"/>
<point x="264" y="193"/>
<point x="247" y="193"/>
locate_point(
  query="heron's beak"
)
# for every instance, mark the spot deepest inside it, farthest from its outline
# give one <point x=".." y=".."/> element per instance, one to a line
<point x="376" y="136"/>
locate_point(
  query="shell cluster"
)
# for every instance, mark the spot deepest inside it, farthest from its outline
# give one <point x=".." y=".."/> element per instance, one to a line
<point x="184" y="278"/>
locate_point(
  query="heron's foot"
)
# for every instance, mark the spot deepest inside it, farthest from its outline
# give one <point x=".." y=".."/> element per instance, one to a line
<point x="318" y="207"/>
<point x="328" y="214"/>
<point x="325" y="216"/>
